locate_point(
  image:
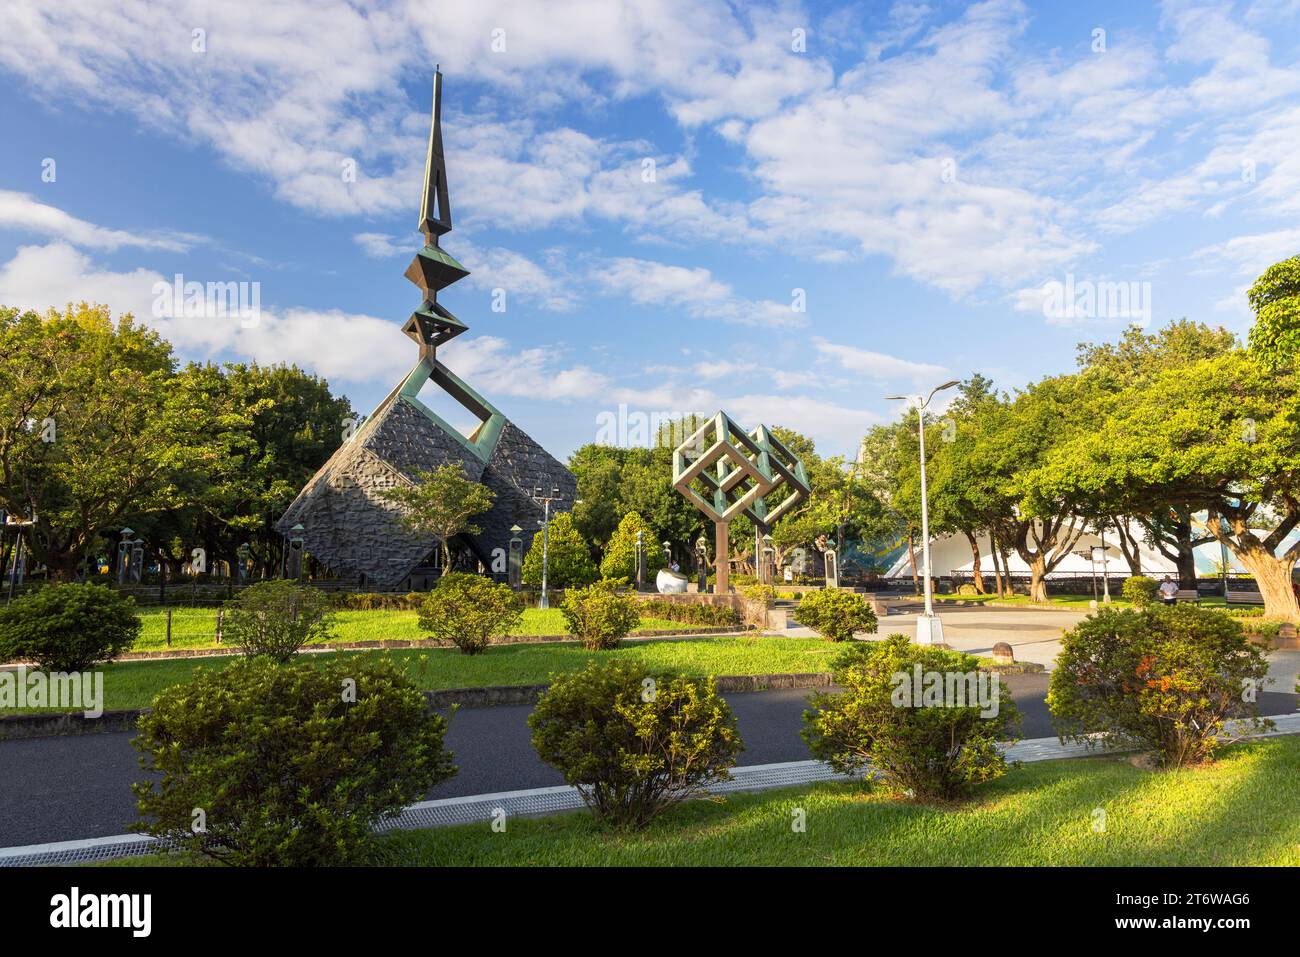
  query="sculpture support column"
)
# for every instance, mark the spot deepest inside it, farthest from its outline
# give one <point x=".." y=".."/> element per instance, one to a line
<point x="720" y="559"/>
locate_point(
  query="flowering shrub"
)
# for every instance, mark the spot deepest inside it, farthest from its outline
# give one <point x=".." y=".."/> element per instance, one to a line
<point x="1164" y="678"/>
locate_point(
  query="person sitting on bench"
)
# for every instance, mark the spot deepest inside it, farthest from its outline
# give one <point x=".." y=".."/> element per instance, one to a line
<point x="1168" y="591"/>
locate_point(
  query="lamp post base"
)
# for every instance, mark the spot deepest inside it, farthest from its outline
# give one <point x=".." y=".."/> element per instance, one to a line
<point x="929" y="630"/>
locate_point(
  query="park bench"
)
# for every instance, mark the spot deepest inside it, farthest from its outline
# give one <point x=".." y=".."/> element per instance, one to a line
<point x="1187" y="594"/>
<point x="1244" y="597"/>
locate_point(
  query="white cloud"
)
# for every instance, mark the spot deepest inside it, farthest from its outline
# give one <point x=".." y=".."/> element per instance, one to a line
<point x="24" y="213"/>
<point x="878" y="365"/>
<point x="536" y="373"/>
<point x="693" y="289"/>
<point x="381" y="245"/>
<point x="342" y="346"/>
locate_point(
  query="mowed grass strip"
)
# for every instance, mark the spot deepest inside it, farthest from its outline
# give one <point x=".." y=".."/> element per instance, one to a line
<point x="133" y="684"/>
<point x="1234" y="812"/>
<point x="197" y="627"/>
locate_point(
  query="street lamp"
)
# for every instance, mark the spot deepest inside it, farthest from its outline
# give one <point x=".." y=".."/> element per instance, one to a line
<point x="545" y="501"/>
<point x="929" y="630"/>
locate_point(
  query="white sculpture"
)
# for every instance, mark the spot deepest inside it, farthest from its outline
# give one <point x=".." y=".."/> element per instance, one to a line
<point x="670" y="582"/>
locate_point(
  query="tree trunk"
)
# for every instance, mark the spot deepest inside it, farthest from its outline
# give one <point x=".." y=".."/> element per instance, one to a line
<point x="975" y="564"/>
<point x="1185" y="556"/>
<point x="1274" y="578"/>
<point x="1038" y="578"/>
<point x="997" y="569"/>
<point x="1129" y="546"/>
<point x="911" y="553"/>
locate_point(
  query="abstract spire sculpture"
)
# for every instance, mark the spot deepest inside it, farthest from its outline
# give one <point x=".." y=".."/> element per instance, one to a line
<point x="726" y="472"/>
<point x="348" y="525"/>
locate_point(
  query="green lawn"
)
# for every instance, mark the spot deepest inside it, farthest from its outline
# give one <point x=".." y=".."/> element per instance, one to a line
<point x="1234" y="812"/>
<point x="196" y="627"/>
<point x="133" y="684"/>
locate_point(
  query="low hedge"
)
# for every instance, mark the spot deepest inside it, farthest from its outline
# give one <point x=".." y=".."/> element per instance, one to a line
<point x="711" y="616"/>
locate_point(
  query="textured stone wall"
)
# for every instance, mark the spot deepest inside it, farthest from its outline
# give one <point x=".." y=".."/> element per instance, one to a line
<point x="354" y="532"/>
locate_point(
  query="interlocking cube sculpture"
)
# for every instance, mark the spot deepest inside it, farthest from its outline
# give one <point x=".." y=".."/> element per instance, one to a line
<point x="725" y="472"/>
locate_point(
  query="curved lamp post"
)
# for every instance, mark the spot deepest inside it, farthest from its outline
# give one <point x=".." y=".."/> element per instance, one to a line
<point x="929" y="629"/>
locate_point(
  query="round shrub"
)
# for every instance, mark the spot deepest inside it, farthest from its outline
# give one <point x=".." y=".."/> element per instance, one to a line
<point x="276" y="618"/>
<point x="568" y="560"/>
<point x="600" y="615"/>
<point x="932" y="736"/>
<point x="835" y="614"/>
<point x="68" y="627"/>
<point x="1140" y="591"/>
<point x="263" y="764"/>
<point x="633" y="743"/>
<point x="619" y="560"/>
<point x="1163" y="678"/>
<point x="968" y="589"/>
<point x="470" y="610"/>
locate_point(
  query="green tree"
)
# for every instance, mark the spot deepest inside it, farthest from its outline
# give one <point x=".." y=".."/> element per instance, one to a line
<point x="620" y="554"/>
<point x="441" y="503"/>
<point x="568" y="561"/>
<point x="273" y="428"/>
<point x="1107" y="373"/>
<point x="94" y="427"/>
<point x="1275" y="299"/>
<point x="1220" y="435"/>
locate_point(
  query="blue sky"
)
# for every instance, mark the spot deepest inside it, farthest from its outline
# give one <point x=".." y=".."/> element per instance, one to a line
<point x="927" y="174"/>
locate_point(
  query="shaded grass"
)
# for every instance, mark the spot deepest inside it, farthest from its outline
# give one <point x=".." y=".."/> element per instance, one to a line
<point x="133" y="684"/>
<point x="196" y="627"/>
<point x="1234" y="812"/>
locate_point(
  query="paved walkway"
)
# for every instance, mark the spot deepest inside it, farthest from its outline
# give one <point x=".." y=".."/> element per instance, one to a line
<point x="1034" y="634"/>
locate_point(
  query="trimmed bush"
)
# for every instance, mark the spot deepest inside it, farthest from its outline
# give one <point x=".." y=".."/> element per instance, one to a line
<point x="1140" y="591"/>
<point x="568" y="561"/>
<point x="276" y="618"/>
<point x="68" y="627"/>
<point x="619" y="560"/>
<point x="286" y="765"/>
<point x="632" y="743"/>
<point x="377" y="601"/>
<point x="600" y="615"/>
<point x="470" y="610"/>
<point x="693" y="613"/>
<point x="1163" y="678"/>
<point x="936" y="747"/>
<point x="835" y="614"/>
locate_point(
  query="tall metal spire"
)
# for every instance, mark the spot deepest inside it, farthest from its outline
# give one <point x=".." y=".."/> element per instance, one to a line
<point x="435" y="207"/>
<point x="433" y="268"/>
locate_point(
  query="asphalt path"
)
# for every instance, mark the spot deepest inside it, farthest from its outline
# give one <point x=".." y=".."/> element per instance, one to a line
<point x="79" y="786"/>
